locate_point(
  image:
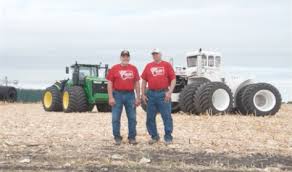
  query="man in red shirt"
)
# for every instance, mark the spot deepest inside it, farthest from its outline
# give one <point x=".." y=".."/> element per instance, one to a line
<point x="123" y="79"/>
<point x="161" y="81"/>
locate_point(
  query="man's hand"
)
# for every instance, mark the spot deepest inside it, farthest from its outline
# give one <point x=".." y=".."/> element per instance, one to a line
<point x="144" y="98"/>
<point x="137" y="102"/>
<point x="167" y="96"/>
<point x="111" y="101"/>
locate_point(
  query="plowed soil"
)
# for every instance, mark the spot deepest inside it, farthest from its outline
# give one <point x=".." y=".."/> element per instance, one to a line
<point x="34" y="140"/>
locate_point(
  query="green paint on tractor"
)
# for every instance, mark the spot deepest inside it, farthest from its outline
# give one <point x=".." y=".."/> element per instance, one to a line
<point x="86" y="88"/>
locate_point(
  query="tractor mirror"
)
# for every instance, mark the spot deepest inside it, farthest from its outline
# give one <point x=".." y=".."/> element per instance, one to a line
<point x="67" y="70"/>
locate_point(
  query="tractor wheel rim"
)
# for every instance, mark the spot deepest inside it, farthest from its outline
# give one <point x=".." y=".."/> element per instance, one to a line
<point x="48" y="99"/>
<point x="264" y="100"/>
<point x="65" y="100"/>
<point x="221" y="99"/>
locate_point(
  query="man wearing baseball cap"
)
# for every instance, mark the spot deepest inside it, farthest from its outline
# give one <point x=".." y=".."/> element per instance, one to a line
<point x="161" y="81"/>
<point x="123" y="79"/>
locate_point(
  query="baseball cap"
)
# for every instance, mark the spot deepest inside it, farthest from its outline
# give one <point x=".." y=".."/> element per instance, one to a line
<point x="125" y="52"/>
<point x="155" y="50"/>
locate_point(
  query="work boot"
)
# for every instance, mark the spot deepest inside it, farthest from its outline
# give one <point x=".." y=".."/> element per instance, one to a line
<point x="118" y="141"/>
<point x="133" y="142"/>
<point x="153" y="141"/>
<point x="168" y="142"/>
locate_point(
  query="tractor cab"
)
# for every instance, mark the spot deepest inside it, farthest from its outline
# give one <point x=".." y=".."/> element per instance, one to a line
<point x="201" y="62"/>
<point x="81" y="72"/>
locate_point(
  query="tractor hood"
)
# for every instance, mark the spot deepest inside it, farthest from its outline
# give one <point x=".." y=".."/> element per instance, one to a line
<point x="96" y="80"/>
<point x="185" y="71"/>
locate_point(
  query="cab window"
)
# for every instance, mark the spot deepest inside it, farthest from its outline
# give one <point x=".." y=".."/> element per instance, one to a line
<point x="204" y="60"/>
<point x="211" y="61"/>
<point x="218" y="61"/>
<point x="192" y="61"/>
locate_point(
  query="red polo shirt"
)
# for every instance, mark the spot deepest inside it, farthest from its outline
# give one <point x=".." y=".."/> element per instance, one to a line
<point x="158" y="75"/>
<point x="123" y="77"/>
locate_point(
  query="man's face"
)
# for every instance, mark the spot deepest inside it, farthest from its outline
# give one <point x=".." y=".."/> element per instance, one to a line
<point x="156" y="56"/>
<point x="125" y="59"/>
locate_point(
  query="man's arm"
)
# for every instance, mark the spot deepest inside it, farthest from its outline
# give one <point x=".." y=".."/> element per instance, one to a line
<point x="169" y="92"/>
<point x="172" y="77"/>
<point x="111" y="100"/>
<point x="172" y="85"/>
<point x="138" y="96"/>
<point x="144" y="97"/>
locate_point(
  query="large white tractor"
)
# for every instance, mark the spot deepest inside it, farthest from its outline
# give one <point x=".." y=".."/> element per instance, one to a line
<point x="203" y="87"/>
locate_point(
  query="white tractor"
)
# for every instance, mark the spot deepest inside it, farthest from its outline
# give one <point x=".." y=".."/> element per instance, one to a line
<point x="203" y="87"/>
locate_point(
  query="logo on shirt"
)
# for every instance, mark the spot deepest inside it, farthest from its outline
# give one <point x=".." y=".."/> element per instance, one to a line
<point x="126" y="74"/>
<point x="157" y="71"/>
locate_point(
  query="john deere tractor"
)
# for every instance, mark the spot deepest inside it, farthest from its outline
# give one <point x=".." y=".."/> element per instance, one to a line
<point x="86" y="89"/>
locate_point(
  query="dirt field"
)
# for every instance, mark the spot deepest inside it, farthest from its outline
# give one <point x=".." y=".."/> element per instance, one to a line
<point x="34" y="140"/>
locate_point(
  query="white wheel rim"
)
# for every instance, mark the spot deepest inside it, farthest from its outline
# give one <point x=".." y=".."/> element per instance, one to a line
<point x="221" y="99"/>
<point x="264" y="100"/>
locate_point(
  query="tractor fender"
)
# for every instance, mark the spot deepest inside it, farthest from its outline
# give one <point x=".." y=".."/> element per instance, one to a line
<point x="60" y="85"/>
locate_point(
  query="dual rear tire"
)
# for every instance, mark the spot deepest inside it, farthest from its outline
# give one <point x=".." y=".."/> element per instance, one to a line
<point x="209" y="97"/>
<point x="72" y="99"/>
<point x="260" y="99"/>
<point x="51" y="99"/>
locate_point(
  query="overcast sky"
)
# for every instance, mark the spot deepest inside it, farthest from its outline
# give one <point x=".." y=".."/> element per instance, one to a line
<point x="39" y="37"/>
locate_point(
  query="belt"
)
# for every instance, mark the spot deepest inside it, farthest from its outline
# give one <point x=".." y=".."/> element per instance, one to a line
<point x="158" y="90"/>
<point x="124" y="91"/>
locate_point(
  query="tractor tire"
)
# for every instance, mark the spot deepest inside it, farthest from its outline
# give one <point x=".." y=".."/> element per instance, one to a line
<point x="104" y="107"/>
<point x="51" y="99"/>
<point x="175" y="107"/>
<point x="75" y="100"/>
<point x="90" y="108"/>
<point x="262" y="99"/>
<point x="11" y="95"/>
<point x="8" y="94"/>
<point x="240" y="108"/>
<point x="214" y="98"/>
<point x="187" y="98"/>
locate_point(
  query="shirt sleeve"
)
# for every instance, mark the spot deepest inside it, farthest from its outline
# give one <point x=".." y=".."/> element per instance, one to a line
<point x="171" y="73"/>
<point x="144" y="74"/>
<point x="136" y="73"/>
<point x="110" y="76"/>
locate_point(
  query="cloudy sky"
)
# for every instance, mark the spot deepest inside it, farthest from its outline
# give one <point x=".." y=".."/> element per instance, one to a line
<point x="38" y="38"/>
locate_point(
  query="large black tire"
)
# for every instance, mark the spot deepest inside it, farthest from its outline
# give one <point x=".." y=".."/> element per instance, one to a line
<point x="240" y="108"/>
<point x="8" y="94"/>
<point x="187" y="97"/>
<point x="51" y="99"/>
<point x="11" y="95"/>
<point x="90" y="107"/>
<point x="175" y="108"/>
<point x="262" y="99"/>
<point x="74" y="100"/>
<point x="209" y="103"/>
<point x="104" y="107"/>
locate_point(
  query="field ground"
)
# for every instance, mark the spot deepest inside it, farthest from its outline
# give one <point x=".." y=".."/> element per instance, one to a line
<point x="34" y="140"/>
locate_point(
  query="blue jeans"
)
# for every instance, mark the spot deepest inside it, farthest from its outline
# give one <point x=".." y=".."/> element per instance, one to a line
<point x="157" y="104"/>
<point x="126" y="99"/>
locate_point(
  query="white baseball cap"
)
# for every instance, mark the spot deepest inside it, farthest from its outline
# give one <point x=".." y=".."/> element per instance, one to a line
<point x="156" y="50"/>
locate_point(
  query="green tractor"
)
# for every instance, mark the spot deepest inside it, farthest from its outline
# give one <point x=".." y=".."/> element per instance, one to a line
<point x="86" y="89"/>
